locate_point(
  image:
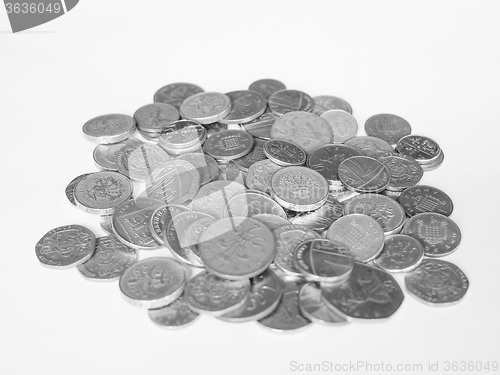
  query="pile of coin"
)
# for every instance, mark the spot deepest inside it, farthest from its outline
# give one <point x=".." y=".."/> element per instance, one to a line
<point x="271" y="207"/>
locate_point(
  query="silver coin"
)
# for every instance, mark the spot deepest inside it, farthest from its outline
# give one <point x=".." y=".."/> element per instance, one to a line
<point x="143" y="161"/>
<point x="206" y="107"/>
<point x="229" y="145"/>
<point x="176" y="93"/>
<point x="106" y="223"/>
<point x="287" y="317"/>
<point x="324" y="103"/>
<point x="285" y="101"/>
<point x="368" y="293"/>
<point x="438" y="233"/>
<point x="250" y="204"/>
<point x="209" y="294"/>
<point x="156" y="116"/>
<point x="344" y="126"/>
<point x="264" y="296"/>
<point x="131" y="223"/>
<point x="70" y="189"/>
<point x="214" y="128"/>
<point x="109" y="261"/>
<point x="259" y="175"/>
<point x="424" y="198"/>
<point x="175" y="315"/>
<point x="267" y="87"/>
<point x="313" y="308"/>
<point x="434" y="164"/>
<point x="390" y="128"/>
<point x="105" y="156"/>
<point x="181" y="135"/>
<point x="246" y="105"/>
<point x="161" y="217"/>
<point x="153" y="282"/>
<point x="213" y="198"/>
<point x="362" y="234"/>
<point x="257" y="154"/>
<point x="109" y="128"/>
<point x="285" y="153"/>
<point x="323" y="260"/>
<point x="423" y="149"/>
<point x="206" y="166"/>
<point x="327" y="159"/>
<point x="437" y="282"/>
<point x="272" y="222"/>
<point x="370" y="146"/>
<point x="237" y="248"/>
<point x="66" y="246"/>
<point x="401" y="253"/>
<point x="101" y="192"/>
<point x="261" y="126"/>
<point x="122" y="155"/>
<point x="322" y="218"/>
<point x="404" y="170"/>
<point x="364" y="174"/>
<point x="232" y="172"/>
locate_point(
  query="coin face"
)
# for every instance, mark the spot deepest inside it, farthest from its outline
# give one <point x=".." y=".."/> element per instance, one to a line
<point x="284" y="153"/>
<point x="438" y="233"/>
<point x="424" y="198"/>
<point x="250" y="204"/>
<point x="109" y="128"/>
<point x="182" y="134"/>
<point x="206" y="165"/>
<point x="364" y="174"/>
<point x="213" y="198"/>
<point x="101" y="192"/>
<point x="154" y="117"/>
<point x="229" y="144"/>
<point x="401" y="253"/>
<point x="322" y="218"/>
<point x="267" y="87"/>
<point x="285" y="101"/>
<point x="423" y="149"/>
<point x="246" y="105"/>
<point x="175" y="315"/>
<point x="370" y="146"/>
<point x="304" y="129"/>
<point x="206" y="107"/>
<point x="390" y="128"/>
<point x="324" y="103"/>
<point x="209" y="294"/>
<point x="175" y="93"/>
<point x="232" y="172"/>
<point x="257" y="154"/>
<point x="66" y="246"/>
<point x="237" y="248"/>
<point x="368" y="293"/>
<point x="405" y="171"/>
<point x="161" y="217"/>
<point x="105" y="156"/>
<point x="362" y="234"/>
<point x="259" y="175"/>
<point x="437" y="282"/>
<point x="143" y="160"/>
<point x="109" y="261"/>
<point x="327" y="159"/>
<point x="153" y="282"/>
<point x="313" y="308"/>
<point x="261" y="126"/>
<point x="344" y="125"/>
<point x="70" y="189"/>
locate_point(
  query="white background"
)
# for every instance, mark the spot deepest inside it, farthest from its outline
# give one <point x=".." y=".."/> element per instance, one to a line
<point x="435" y="63"/>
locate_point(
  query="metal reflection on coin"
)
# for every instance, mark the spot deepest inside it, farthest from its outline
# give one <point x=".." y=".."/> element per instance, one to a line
<point x="246" y="105"/>
<point x="313" y="308"/>
<point x="285" y="153"/>
<point x="370" y="146"/>
<point x="176" y="93"/>
<point x="175" y="315"/>
<point x="143" y="160"/>
<point x="368" y="293"/>
<point x="206" y="107"/>
<point x="107" y="129"/>
<point x="266" y="87"/>
<point x="214" y="197"/>
<point x="261" y="126"/>
<point x="109" y="261"/>
<point x="250" y="204"/>
<point x="70" y="189"/>
<point x="161" y="217"/>
<point x="320" y="219"/>
<point x="405" y="171"/>
<point x="259" y="175"/>
<point x="437" y="282"/>
<point x="401" y="253"/>
<point x="105" y="156"/>
<point x="206" y="166"/>
<point x="182" y="136"/>
<point x="424" y="198"/>
<point x="327" y="159"/>
<point x="423" y="149"/>
<point x="344" y="126"/>
<point x="324" y="103"/>
<point x="390" y="128"/>
<point x="229" y="144"/>
<point x="66" y="246"/>
<point x="285" y="101"/>
<point x="364" y="174"/>
<point x="154" y="117"/>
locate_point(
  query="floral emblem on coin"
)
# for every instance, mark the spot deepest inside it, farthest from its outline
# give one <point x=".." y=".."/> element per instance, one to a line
<point x="66" y="244"/>
<point x="106" y="188"/>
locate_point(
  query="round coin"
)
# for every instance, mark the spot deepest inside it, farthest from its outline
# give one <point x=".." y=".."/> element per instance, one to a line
<point x="404" y="170"/>
<point x="175" y="315"/>
<point x="206" y="107"/>
<point x="321" y="219"/>
<point x="313" y="308"/>
<point x="154" y="117"/>
<point x="175" y="93"/>
<point x="70" y="189"/>
<point x="390" y="128"/>
<point x="284" y="153"/>
<point x="161" y="217"/>
<point x="364" y="174"/>
<point x="182" y="135"/>
<point x="327" y="159"/>
<point x="285" y="101"/>
<point x="423" y="149"/>
<point x="266" y="87"/>
<point x="424" y="198"/>
<point x="401" y="253"/>
<point x="109" y="128"/>
<point x="325" y="103"/>
<point x="344" y="126"/>
<point x="259" y="175"/>
<point x="105" y="156"/>
<point x="229" y="144"/>
<point x="257" y="154"/>
<point x="206" y="165"/>
<point x="261" y="126"/>
<point x="143" y="160"/>
<point x="213" y="198"/>
<point x="272" y="222"/>
<point x="246" y="105"/>
<point x="370" y="146"/>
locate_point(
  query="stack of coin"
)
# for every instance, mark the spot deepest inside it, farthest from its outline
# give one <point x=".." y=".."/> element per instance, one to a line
<point x="182" y="136"/>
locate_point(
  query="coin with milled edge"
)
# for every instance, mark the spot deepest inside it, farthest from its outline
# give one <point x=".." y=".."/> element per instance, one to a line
<point x="153" y="282"/>
<point x="176" y="93"/>
<point x="182" y="135"/>
<point x="273" y="222"/>
<point x="362" y="234"/>
<point x="206" y="107"/>
<point x="401" y="253"/>
<point x="284" y="153"/>
<point x="434" y="164"/>
<point x="437" y="282"/>
<point x="109" y="261"/>
<point x="214" y="197"/>
<point x="323" y="260"/>
<point x="206" y="165"/>
<point x="66" y="246"/>
<point x="364" y="174"/>
<point x="368" y="293"/>
<point x="173" y="316"/>
<point x="105" y="155"/>
<point x="320" y="220"/>
<point x="109" y="128"/>
<point x="237" y="248"/>
<point x="313" y="308"/>
<point x="324" y="103"/>
<point x="327" y="159"/>
<point x="257" y="154"/>
<point x="70" y="189"/>
<point x="154" y="117"/>
<point x="438" y="233"/>
<point x="423" y="149"/>
<point x="344" y="125"/>
<point x="424" y="198"/>
<point x="285" y="101"/>
<point x="209" y="294"/>
<point x="161" y="217"/>
<point x="101" y="192"/>
<point x="370" y="146"/>
<point x="246" y="105"/>
<point x="259" y="175"/>
<point x="390" y="128"/>
<point x="404" y="170"/>
<point x="261" y="126"/>
<point x="250" y="204"/>
<point x="266" y="87"/>
<point x="229" y="145"/>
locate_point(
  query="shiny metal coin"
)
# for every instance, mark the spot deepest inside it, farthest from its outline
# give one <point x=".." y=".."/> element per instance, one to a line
<point x="70" y="189"/>
<point x="327" y="159"/>
<point x="438" y="233"/>
<point x="214" y="128"/>
<point x="364" y="174"/>
<point x="213" y="198"/>
<point x="368" y="293"/>
<point x="122" y="154"/>
<point x="285" y="101"/>
<point x="424" y="198"/>
<point x="106" y="223"/>
<point x="143" y="161"/>
<point x="272" y="222"/>
<point x="105" y="155"/>
<point x="232" y="172"/>
<point x="176" y="93"/>
<point x="362" y="234"/>
<point x="153" y="282"/>
<point x="206" y="107"/>
<point x="246" y="105"/>
<point x="435" y="164"/>
<point x="389" y="213"/>
<point x="229" y="145"/>
<point x="264" y="296"/>
<point x="237" y="248"/>
<point x="109" y="128"/>
<point x="313" y="308"/>
<point x="65" y="247"/>
<point x="259" y="175"/>
<point x="284" y="153"/>
<point x="131" y="223"/>
<point x="321" y="219"/>
<point x="423" y="149"/>
<point x="156" y="116"/>
<point x="324" y="103"/>
<point x="390" y="128"/>
<point x="401" y="253"/>
<point x="391" y="194"/>
<point x="250" y="204"/>
<point x="206" y="166"/>
<point x="109" y="261"/>
<point x="261" y="126"/>
<point x="323" y="260"/>
<point x="173" y="316"/>
<point x="437" y="282"/>
<point x="100" y="192"/>
<point x="405" y="171"/>
<point x="161" y="217"/>
<point x="266" y="87"/>
<point x="181" y="135"/>
<point x="370" y="146"/>
<point x="304" y="129"/>
<point x="209" y="294"/>
<point x="344" y="125"/>
<point x="257" y="154"/>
